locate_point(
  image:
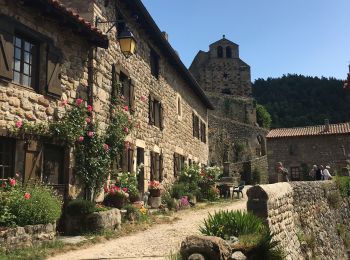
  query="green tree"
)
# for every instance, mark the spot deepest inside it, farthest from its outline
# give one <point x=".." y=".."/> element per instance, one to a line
<point x="263" y="117"/>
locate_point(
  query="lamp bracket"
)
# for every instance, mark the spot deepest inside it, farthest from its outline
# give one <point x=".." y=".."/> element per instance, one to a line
<point x="114" y="23"/>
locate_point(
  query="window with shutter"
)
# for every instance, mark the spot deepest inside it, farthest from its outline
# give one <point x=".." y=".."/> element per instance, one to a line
<point x="53" y="170"/>
<point x="152" y="163"/>
<point x="6" y="51"/>
<point x="132" y="96"/>
<point x="156" y="113"/>
<point x="154" y="63"/>
<point x="195" y="121"/>
<point x="151" y="110"/>
<point x="53" y="80"/>
<point x="7" y="155"/>
<point x="161" y="168"/>
<point x="130" y="160"/>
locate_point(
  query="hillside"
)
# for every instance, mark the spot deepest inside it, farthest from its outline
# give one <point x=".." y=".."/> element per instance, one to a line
<point x="296" y="100"/>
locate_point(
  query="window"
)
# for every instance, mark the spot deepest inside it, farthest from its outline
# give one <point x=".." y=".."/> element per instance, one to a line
<point x="195" y="122"/>
<point x="228" y="52"/>
<point x="53" y="171"/>
<point x="156" y="167"/>
<point x="154" y="63"/>
<point x="220" y="52"/>
<point x="179" y="107"/>
<point x="293" y="149"/>
<point x="127" y="90"/>
<point x="24" y="61"/>
<point x="155" y="112"/>
<point x="203" y="132"/>
<point x="179" y="164"/>
<point x="128" y="160"/>
<point x="295" y="173"/>
<point x="7" y="155"/>
<point x="140" y="160"/>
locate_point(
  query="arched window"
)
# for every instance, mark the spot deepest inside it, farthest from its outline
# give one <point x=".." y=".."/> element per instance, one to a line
<point x="228" y="52"/>
<point x="220" y="51"/>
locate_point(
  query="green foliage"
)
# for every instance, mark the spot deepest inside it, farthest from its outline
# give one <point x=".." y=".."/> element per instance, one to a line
<point x="344" y="233"/>
<point x="168" y="200"/>
<point x="80" y="207"/>
<point x="42" y="207"/>
<point x="178" y="190"/>
<point x="135" y="214"/>
<point x="296" y="100"/>
<point x="256" y="176"/>
<point x="334" y="199"/>
<point x="207" y="184"/>
<point x="343" y="183"/>
<point x="128" y="180"/>
<point x="263" y="117"/>
<point x="225" y="224"/>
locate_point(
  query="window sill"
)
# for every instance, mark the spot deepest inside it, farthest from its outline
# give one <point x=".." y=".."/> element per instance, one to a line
<point x="19" y="86"/>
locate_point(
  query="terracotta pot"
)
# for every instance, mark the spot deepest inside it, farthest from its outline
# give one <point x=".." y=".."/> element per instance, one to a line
<point x="154" y="192"/>
<point x="115" y="201"/>
<point x="134" y="198"/>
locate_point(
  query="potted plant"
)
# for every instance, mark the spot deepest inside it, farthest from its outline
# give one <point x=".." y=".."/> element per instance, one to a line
<point x="129" y="181"/>
<point x="154" y="188"/>
<point x="116" y="197"/>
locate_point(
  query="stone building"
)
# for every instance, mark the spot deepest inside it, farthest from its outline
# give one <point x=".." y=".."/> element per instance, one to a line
<point x="302" y="147"/>
<point x="170" y="108"/>
<point x="234" y="135"/>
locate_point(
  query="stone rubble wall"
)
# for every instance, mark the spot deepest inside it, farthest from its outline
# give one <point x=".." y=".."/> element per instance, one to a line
<point x="302" y="217"/>
<point x="27" y="236"/>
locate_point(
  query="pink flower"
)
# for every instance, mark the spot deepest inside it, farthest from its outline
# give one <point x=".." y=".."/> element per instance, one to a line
<point x="17" y="174"/>
<point x="126" y="130"/>
<point x="27" y="196"/>
<point x="89" y="108"/>
<point x="81" y="138"/>
<point x="19" y="124"/>
<point x="112" y="191"/>
<point x="126" y="108"/>
<point x="106" y="189"/>
<point x="125" y="189"/>
<point x="88" y="120"/>
<point x="63" y="103"/>
<point x="143" y="98"/>
<point x="79" y="101"/>
<point x="91" y="134"/>
<point x="122" y="97"/>
<point x="12" y="182"/>
<point x="106" y="147"/>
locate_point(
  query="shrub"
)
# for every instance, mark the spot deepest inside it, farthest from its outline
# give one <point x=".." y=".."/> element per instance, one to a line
<point x="135" y="214"/>
<point x="168" y="200"/>
<point x="334" y="199"/>
<point x="179" y="190"/>
<point x="225" y="224"/>
<point x="80" y="207"/>
<point x="34" y="204"/>
<point x="343" y="184"/>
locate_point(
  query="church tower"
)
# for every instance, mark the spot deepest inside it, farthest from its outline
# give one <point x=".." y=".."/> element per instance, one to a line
<point x="220" y="70"/>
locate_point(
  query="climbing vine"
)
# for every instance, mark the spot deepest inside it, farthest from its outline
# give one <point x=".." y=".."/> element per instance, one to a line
<point x="94" y="148"/>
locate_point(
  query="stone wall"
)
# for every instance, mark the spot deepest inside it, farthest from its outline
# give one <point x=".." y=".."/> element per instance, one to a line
<point x="27" y="236"/>
<point x="304" y="217"/>
<point x="233" y="141"/>
<point x="333" y="150"/>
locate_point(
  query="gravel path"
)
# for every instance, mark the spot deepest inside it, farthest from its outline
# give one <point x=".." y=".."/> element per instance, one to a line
<point x="155" y="243"/>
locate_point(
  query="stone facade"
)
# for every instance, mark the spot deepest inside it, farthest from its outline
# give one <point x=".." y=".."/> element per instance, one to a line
<point x="304" y="217"/>
<point x="299" y="153"/>
<point x="27" y="236"/>
<point x="86" y="71"/>
<point x="233" y="132"/>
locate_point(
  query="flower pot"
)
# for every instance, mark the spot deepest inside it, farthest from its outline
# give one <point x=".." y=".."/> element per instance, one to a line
<point x="154" y="192"/>
<point x="134" y="198"/>
<point x="115" y="201"/>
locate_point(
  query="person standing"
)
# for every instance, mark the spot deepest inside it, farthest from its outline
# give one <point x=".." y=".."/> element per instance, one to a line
<point x="318" y="175"/>
<point x="326" y="175"/>
<point x="312" y="173"/>
<point x="282" y="173"/>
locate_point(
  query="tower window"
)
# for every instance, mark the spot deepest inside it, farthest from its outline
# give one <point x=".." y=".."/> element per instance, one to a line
<point x="228" y="52"/>
<point x="220" y="52"/>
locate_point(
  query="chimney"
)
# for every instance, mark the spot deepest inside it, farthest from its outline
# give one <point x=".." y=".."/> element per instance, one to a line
<point x="326" y="125"/>
<point x="165" y="35"/>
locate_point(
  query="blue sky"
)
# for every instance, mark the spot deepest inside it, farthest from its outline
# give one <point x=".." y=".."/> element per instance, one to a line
<point x="276" y="37"/>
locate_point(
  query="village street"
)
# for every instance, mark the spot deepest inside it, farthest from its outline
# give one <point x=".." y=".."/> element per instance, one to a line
<point x="155" y="243"/>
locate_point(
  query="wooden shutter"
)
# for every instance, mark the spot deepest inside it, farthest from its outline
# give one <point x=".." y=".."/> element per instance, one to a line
<point x="156" y="166"/>
<point x="33" y="161"/>
<point x="114" y="88"/>
<point x="152" y="165"/>
<point x="161" y="168"/>
<point x="125" y="160"/>
<point x="6" y="50"/>
<point x="161" y="116"/>
<point x="176" y="165"/>
<point x="193" y="124"/>
<point x="53" y="81"/>
<point x="151" y="110"/>
<point x="132" y="96"/>
<point x="204" y="133"/>
<point x="130" y="160"/>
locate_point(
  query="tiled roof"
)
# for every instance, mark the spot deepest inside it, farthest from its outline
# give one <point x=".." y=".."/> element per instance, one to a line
<point x="343" y="128"/>
<point x="76" y="16"/>
<point x="59" y="11"/>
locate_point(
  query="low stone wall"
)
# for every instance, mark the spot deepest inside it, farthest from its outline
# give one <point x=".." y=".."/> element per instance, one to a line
<point x="97" y="221"/>
<point x="26" y="236"/>
<point x="304" y="217"/>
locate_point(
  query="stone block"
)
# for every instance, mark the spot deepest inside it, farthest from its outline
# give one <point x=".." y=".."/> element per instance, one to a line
<point x="155" y="202"/>
<point x="210" y="247"/>
<point x="43" y="101"/>
<point x="25" y="104"/>
<point x="13" y="101"/>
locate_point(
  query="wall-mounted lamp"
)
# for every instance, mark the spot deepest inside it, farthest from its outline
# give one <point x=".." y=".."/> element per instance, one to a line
<point x="126" y="38"/>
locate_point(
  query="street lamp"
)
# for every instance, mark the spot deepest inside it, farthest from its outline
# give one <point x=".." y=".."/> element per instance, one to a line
<point x="126" y="38"/>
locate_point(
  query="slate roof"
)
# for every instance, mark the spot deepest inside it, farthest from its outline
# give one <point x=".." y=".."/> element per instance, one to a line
<point x="318" y="130"/>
